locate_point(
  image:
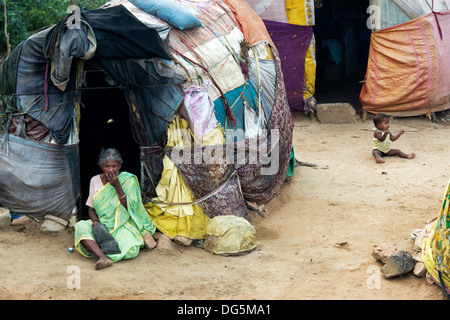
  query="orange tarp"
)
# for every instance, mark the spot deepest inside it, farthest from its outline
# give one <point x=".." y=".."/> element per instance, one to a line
<point x="408" y="68"/>
<point x="250" y="23"/>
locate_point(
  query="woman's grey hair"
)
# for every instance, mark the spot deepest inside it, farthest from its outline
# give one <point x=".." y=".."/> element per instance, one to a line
<point x="109" y="154"/>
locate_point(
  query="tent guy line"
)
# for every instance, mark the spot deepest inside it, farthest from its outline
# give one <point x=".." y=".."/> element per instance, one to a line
<point x="391" y="130"/>
<point x="85" y="89"/>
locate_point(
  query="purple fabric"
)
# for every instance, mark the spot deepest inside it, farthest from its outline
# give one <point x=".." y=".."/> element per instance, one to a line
<point x="292" y="42"/>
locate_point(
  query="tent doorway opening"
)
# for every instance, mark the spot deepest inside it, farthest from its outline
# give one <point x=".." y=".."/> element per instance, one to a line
<point x="105" y="123"/>
<point x="342" y="49"/>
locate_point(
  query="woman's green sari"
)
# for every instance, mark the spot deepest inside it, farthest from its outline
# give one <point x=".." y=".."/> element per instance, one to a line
<point x="126" y="226"/>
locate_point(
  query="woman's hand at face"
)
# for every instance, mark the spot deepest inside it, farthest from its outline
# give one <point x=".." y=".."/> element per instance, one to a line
<point x="112" y="179"/>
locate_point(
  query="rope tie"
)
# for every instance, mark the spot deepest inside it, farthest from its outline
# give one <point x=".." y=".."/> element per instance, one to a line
<point x="222" y="95"/>
<point x="46" y="85"/>
<point x="435" y="17"/>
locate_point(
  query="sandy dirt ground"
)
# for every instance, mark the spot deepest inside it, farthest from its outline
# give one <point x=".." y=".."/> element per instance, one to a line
<point x="315" y="242"/>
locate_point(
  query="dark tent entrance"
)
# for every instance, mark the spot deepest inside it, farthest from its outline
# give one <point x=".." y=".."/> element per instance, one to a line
<point x="105" y="123"/>
<point x="342" y="50"/>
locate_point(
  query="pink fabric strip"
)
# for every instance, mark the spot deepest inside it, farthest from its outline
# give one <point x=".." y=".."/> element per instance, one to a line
<point x="429" y="56"/>
<point x="375" y="83"/>
<point x="411" y="41"/>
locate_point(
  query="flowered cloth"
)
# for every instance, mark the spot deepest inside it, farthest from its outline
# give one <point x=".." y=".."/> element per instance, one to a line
<point x="436" y="246"/>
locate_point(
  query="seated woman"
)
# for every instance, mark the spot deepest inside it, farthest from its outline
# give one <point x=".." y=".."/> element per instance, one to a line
<point x="115" y="201"/>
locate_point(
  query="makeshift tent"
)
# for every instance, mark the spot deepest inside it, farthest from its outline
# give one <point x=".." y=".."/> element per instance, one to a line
<point x="289" y="23"/>
<point x="208" y="62"/>
<point x="408" y="60"/>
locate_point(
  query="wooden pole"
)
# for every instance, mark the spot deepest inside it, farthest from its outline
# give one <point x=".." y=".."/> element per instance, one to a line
<point x="8" y="45"/>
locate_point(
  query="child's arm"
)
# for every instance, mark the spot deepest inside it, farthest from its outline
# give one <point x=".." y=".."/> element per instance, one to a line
<point x="393" y="138"/>
<point x="381" y="135"/>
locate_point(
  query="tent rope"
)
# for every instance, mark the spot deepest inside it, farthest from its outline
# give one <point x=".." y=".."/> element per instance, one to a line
<point x="4" y="115"/>
<point x="200" y="199"/>
<point x="85" y="89"/>
<point x="225" y="101"/>
<point x="46" y="85"/>
<point x="435" y="17"/>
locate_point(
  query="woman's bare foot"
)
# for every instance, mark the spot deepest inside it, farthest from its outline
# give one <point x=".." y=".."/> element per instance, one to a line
<point x="103" y="263"/>
<point x="149" y="242"/>
<point x="411" y="155"/>
<point x="379" y="160"/>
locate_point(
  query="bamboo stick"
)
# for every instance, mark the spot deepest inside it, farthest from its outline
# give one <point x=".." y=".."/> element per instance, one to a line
<point x="391" y="130"/>
<point x="8" y="45"/>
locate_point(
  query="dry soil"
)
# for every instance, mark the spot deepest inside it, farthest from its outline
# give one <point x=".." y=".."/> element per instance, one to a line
<point x="315" y="241"/>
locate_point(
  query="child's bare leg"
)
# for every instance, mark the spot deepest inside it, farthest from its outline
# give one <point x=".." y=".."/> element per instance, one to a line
<point x="378" y="157"/>
<point x="397" y="152"/>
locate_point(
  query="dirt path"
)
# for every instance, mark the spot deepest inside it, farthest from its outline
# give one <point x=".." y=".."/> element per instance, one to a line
<point x="346" y="200"/>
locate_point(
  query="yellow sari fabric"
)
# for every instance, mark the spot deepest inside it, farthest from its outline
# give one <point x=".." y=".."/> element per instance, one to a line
<point x="185" y="220"/>
<point x="300" y="12"/>
<point x="436" y="246"/>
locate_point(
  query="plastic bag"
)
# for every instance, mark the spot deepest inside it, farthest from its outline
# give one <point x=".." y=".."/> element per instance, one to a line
<point x="171" y="12"/>
<point x="105" y="240"/>
<point x="198" y="110"/>
<point x="230" y="235"/>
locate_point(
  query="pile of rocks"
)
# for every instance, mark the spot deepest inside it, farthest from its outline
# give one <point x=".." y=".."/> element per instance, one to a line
<point x="398" y="262"/>
<point x="49" y="225"/>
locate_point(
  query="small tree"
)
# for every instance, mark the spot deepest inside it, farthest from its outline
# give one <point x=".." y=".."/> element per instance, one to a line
<point x="8" y="45"/>
<point x="23" y="18"/>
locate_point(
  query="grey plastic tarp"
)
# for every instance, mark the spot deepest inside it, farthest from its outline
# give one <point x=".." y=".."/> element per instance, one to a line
<point x="38" y="178"/>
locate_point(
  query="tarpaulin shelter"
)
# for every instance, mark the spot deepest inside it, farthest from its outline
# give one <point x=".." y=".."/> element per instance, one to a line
<point x="391" y="53"/>
<point x="290" y="25"/>
<point x="407" y="70"/>
<point x="203" y="66"/>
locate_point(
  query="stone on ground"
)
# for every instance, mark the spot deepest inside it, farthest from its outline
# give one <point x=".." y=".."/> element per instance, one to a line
<point x="335" y="113"/>
<point x="5" y="218"/>
<point x="399" y="263"/>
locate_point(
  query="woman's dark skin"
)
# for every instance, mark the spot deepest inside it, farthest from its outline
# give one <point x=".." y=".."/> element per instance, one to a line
<point x="381" y="135"/>
<point x="111" y="170"/>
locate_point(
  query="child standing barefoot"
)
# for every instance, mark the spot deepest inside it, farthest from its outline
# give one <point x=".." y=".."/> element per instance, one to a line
<point x="382" y="140"/>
